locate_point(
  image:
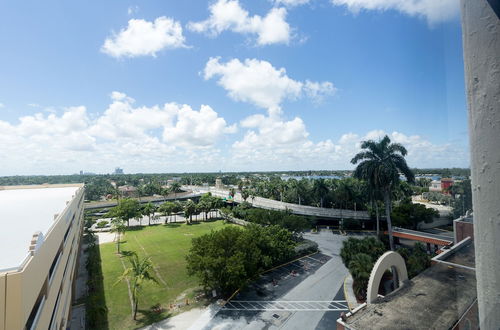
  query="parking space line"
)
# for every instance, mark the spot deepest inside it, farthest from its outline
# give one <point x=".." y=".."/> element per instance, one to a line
<point x="338" y="305"/>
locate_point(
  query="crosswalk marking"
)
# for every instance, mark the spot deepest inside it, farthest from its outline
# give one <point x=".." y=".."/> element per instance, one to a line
<point x="283" y="305"/>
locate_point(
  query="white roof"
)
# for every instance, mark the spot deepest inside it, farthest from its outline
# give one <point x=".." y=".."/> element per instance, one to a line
<point x="22" y="213"/>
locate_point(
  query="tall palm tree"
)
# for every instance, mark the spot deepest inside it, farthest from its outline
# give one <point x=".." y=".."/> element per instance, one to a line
<point x="118" y="227"/>
<point x="320" y="189"/>
<point x="379" y="165"/>
<point x="139" y="272"/>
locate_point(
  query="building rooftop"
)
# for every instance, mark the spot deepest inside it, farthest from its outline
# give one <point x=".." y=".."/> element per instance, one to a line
<point x="25" y="210"/>
<point x="434" y="299"/>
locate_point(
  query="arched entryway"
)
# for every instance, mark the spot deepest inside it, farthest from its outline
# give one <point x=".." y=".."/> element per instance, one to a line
<point x="386" y="261"/>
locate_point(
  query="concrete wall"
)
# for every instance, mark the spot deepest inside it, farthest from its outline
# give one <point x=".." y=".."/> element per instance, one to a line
<point x="481" y="40"/>
<point x="23" y="287"/>
<point x="463" y="230"/>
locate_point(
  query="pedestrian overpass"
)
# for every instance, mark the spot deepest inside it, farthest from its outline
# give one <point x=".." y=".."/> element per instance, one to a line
<point x="270" y="204"/>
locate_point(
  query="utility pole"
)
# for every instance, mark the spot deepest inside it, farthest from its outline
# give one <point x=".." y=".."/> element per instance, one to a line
<point x="481" y="43"/>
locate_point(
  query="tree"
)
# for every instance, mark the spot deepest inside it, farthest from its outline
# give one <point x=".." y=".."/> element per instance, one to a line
<point x="189" y="210"/>
<point x="118" y="227"/>
<point x="116" y="193"/>
<point x="148" y="210"/>
<point x="126" y="209"/>
<point x="204" y="205"/>
<point x="409" y="215"/>
<point x="227" y="259"/>
<point x="139" y="272"/>
<point x="245" y="194"/>
<point x="175" y="187"/>
<point x="379" y="165"/>
<point x="320" y="189"/>
<point x="167" y="208"/>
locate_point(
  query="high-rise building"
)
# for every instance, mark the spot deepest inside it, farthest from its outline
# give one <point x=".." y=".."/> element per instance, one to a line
<point x="39" y="245"/>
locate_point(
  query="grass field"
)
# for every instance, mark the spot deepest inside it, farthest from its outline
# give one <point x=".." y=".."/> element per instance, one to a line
<point x="167" y="246"/>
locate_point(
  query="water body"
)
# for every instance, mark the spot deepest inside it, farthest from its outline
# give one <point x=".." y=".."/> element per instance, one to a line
<point x="310" y="177"/>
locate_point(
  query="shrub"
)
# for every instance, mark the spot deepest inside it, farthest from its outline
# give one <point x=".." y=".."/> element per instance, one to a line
<point x="102" y="224"/>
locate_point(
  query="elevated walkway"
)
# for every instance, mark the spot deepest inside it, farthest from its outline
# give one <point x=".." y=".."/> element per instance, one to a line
<point x="271" y="204"/>
<point x="436" y="239"/>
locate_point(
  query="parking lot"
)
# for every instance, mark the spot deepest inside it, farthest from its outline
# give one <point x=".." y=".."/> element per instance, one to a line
<point x="305" y="294"/>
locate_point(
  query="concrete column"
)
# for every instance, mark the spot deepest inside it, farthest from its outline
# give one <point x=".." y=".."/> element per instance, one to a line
<point x="481" y="41"/>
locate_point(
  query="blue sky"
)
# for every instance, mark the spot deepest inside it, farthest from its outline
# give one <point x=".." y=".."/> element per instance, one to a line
<point x="174" y="86"/>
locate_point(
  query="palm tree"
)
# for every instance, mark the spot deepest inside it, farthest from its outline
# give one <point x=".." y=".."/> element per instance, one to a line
<point x="189" y="210"/>
<point x="360" y="268"/>
<point x="175" y="188"/>
<point x="139" y="272"/>
<point x="148" y="210"/>
<point x="380" y="165"/>
<point x="320" y="189"/>
<point x="118" y="227"/>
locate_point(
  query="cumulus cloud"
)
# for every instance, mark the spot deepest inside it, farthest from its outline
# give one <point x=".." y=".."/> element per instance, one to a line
<point x="259" y="83"/>
<point x="144" y="38"/>
<point x="432" y="10"/>
<point x="229" y="15"/>
<point x="273" y="143"/>
<point x="142" y="137"/>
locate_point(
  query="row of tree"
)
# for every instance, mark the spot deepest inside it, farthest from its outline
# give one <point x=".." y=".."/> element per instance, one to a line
<point x="294" y="223"/>
<point x="129" y="208"/>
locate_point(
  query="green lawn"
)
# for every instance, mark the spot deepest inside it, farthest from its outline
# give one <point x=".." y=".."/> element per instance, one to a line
<point x="167" y="246"/>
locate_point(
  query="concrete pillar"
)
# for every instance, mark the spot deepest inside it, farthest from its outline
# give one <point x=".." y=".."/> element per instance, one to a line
<point x="481" y="41"/>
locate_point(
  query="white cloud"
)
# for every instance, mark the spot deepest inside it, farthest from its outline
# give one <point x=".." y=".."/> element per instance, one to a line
<point x="144" y="38"/>
<point x="433" y="10"/>
<point x="229" y="15"/>
<point x="2" y="105"/>
<point x="197" y="128"/>
<point x="291" y="3"/>
<point x="272" y="143"/>
<point x="259" y="83"/>
<point x="143" y="138"/>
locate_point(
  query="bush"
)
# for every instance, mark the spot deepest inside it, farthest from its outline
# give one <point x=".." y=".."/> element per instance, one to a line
<point x="416" y="259"/>
<point x="368" y="245"/>
<point x="102" y="224"/>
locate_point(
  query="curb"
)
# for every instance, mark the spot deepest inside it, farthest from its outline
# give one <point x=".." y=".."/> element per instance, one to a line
<point x="345" y="293"/>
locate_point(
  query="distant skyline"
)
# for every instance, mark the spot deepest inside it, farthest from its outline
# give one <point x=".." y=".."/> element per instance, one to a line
<point x="203" y="86"/>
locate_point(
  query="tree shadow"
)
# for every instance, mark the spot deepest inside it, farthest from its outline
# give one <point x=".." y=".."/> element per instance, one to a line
<point x="172" y="225"/>
<point x="95" y="305"/>
<point x="127" y="253"/>
<point x="149" y="316"/>
<point x="135" y="228"/>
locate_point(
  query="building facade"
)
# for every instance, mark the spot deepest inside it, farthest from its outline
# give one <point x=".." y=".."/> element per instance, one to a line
<point x="37" y="276"/>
